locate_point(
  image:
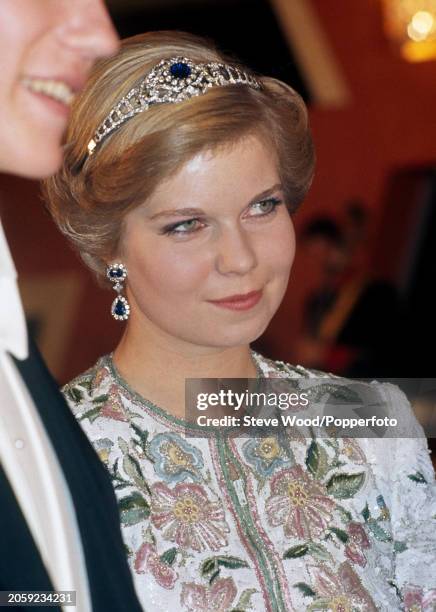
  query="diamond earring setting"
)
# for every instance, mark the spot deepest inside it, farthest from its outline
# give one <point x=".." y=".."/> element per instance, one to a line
<point x="117" y="274"/>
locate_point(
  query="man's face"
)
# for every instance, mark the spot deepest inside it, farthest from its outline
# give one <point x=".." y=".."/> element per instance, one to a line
<point x="47" y="48"/>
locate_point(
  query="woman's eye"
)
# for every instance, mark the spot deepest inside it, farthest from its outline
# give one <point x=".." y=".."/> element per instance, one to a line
<point x="265" y="207"/>
<point x="182" y="228"/>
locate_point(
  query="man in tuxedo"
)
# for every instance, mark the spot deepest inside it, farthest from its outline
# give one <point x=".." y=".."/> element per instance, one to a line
<point x="58" y="514"/>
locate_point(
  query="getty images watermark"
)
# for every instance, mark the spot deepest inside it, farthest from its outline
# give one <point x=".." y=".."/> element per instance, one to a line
<point x="322" y="406"/>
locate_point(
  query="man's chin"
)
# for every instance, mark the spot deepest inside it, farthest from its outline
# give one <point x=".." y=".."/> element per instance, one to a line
<point x="42" y="163"/>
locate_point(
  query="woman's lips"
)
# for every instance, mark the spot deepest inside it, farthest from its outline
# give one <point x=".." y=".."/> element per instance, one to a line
<point x="239" y="302"/>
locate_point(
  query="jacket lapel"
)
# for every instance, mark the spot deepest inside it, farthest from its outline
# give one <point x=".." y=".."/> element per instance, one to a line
<point x="91" y="489"/>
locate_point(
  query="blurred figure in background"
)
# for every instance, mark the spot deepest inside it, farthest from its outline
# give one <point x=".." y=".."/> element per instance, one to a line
<point x="351" y="322"/>
<point x="356" y="231"/>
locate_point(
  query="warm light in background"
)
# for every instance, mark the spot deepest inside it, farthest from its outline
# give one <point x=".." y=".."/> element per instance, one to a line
<point x="411" y="25"/>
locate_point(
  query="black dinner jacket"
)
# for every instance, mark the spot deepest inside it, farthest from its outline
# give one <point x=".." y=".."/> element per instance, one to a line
<point x="21" y="567"/>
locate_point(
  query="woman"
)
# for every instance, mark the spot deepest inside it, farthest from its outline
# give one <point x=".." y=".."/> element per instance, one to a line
<point x="181" y="175"/>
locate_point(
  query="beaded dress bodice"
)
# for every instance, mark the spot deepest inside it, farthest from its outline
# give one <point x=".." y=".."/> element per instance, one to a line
<point x="237" y="524"/>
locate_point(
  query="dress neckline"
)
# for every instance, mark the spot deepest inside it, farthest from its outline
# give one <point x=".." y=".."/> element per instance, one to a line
<point x="108" y="362"/>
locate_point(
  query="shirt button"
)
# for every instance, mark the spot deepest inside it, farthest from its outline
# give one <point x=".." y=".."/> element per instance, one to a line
<point x="19" y="443"/>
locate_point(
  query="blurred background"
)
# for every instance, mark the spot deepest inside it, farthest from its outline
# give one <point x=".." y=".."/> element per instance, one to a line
<point x="361" y="299"/>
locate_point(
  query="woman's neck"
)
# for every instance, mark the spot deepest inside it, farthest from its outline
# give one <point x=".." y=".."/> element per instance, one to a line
<point x="156" y="366"/>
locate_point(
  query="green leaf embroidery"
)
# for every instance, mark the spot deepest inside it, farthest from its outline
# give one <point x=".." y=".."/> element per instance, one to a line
<point x="133" y="509"/>
<point x="169" y="556"/>
<point x="115" y="473"/>
<point x="133" y="500"/>
<point x="100" y="399"/>
<point x="133" y="470"/>
<point x="379" y="533"/>
<point x="76" y="394"/>
<point x="214" y="576"/>
<point x="400" y="547"/>
<point x="228" y="561"/>
<point x="345" y="515"/>
<point x="366" y="513"/>
<point x="91" y="414"/>
<point x="231" y="562"/>
<point x="208" y="566"/>
<point x="339" y="392"/>
<point x="296" y="551"/>
<point x="317" y="460"/>
<point x="344" y="486"/>
<point x="127" y="550"/>
<point x="142" y="435"/>
<point x="119" y="481"/>
<point x="122" y="485"/>
<point x="245" y="600"/>
<point x="340" y="534"/>
<point x="305" y="589"/>
<point x="86" y="383"/>
<point x="397" y="590"/>
<point x="114" y="469"/>
<point x="124" y="447"/>
<point x="417" y="477"/>
<point x="332" y="443"/>
<point x="337" y="464"/>
<point x="319" y="552"/>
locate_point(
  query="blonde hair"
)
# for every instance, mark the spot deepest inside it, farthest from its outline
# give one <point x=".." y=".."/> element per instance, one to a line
<point x="89" y="201"/>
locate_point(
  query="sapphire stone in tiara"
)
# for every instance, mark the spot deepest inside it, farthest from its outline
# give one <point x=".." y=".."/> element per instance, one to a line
<point x="180" y="70"/>
<point x="171" y="81"/>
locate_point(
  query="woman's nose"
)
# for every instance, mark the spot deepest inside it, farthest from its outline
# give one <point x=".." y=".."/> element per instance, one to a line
<point x="235" y="253"/>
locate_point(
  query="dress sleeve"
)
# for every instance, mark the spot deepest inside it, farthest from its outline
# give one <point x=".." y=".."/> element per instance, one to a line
<point x="410" y="486"/>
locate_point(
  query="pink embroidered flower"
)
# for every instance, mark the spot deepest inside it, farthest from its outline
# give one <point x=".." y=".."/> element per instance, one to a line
<point x="341" y="591"/>
<point x="188" y="517"/>
<point x="357" y="541"/>
<point x="416" y="601"/>
<point x="216" y="598"/>
<point x="299" y="503"/>
<point x="147" y="560"/>
<point x="113" y="408"/>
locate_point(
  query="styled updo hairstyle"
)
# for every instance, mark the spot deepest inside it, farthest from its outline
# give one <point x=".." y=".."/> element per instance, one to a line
<point x="89" y="199"/>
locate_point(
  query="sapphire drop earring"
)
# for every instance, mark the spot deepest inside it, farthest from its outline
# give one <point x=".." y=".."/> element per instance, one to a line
<point x="117" y="274"/>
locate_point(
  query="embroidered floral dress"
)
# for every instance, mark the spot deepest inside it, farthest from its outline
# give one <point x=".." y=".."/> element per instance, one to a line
<point x="236" y="524"/>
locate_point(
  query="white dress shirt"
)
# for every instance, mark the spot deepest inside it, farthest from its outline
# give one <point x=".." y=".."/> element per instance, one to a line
<point x="27" y="456"/>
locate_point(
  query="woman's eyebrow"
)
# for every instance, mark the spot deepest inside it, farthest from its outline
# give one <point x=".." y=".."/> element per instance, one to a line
<point x="267" y="192"/>
<point x="186" y="212"/>
<point x="178" y="212"/>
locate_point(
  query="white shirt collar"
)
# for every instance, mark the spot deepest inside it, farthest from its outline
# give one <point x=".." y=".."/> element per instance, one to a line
<point x="13" y="331"/>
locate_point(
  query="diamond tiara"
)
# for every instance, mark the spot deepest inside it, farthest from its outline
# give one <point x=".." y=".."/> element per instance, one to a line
<point x="172" y="80"/>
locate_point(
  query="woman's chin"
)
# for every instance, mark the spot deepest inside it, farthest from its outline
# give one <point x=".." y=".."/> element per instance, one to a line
<point x="239" y="336"/>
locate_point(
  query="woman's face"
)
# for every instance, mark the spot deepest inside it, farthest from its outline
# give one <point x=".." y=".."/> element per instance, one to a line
<point x="217" y="229"/>
<point x="47" y="48"/>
